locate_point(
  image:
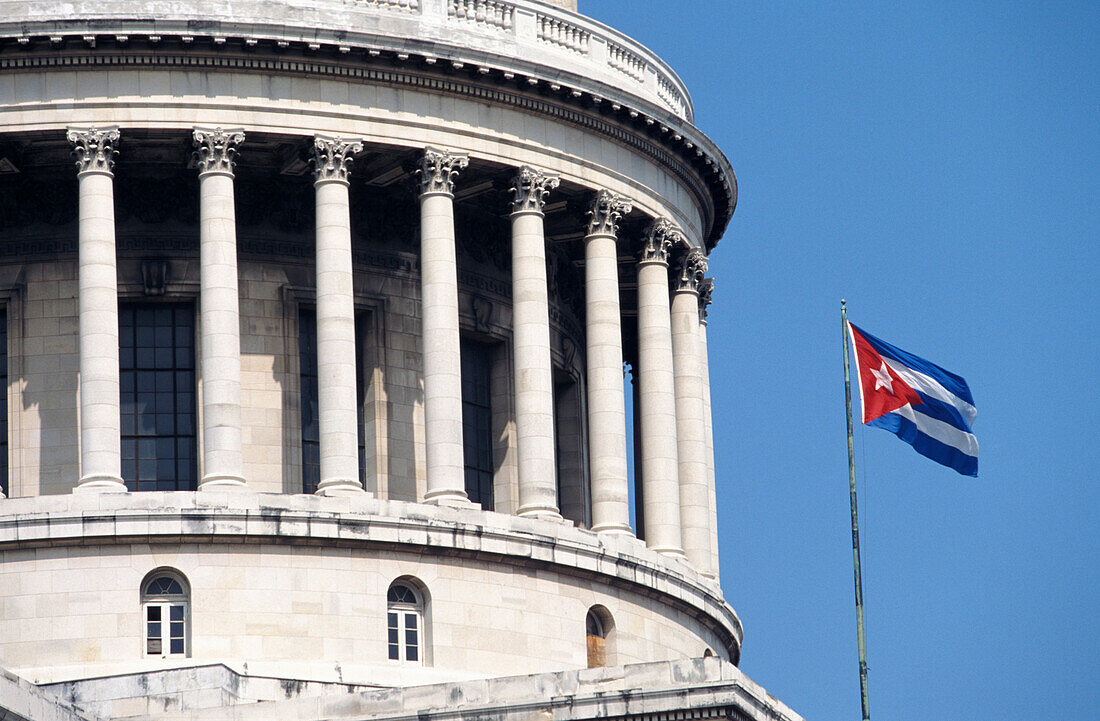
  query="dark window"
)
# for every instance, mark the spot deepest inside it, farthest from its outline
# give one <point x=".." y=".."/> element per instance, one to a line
<point x="477" y="423"/>
<point x="311" y="428"/>
<point x="157" y="394"/>
<point x="403" y="626"/>
<point x="4" y="403"/>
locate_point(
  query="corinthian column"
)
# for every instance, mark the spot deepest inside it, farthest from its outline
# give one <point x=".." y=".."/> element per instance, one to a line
<point x="606" y="406"/>
<point x="534" y="379"/>
<point x="661" y="491"/>
<point x="336" y="393"/>
<point x="691" y="447"/>
<point x="439" y="306"/>
<point x="705" y="292"/>
<point x="100" y="447"/>
<point x="215" y="152"/>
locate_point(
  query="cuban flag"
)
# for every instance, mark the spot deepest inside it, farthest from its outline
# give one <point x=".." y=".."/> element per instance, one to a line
<point x="926" y="406"/>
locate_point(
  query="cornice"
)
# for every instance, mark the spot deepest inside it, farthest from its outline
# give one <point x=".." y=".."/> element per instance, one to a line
<point x="677" y="146"/>
<point x="208" y="517"/>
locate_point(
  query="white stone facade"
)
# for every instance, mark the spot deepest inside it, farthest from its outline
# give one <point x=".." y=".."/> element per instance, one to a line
<point x="314" y="363"/>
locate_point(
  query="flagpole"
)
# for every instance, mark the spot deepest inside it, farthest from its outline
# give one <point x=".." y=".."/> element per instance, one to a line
<point x="855" y="520"/>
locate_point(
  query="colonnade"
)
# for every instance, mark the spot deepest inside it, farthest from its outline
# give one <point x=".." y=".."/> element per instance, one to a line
<point x="677" y="461"/>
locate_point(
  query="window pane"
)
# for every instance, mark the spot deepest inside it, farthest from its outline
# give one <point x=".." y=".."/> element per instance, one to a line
<point x="477" y="422"/>
<point x="176" y="645"/>
<point x="411" y="653"/>
<point x="157" y="397"/>
<point x="395" y="652"/>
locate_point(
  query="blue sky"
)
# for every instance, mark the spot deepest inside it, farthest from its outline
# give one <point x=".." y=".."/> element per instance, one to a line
<point x="937" y="165"/>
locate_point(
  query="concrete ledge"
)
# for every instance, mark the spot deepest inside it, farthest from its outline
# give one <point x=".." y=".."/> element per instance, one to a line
<point x="209" y="517"/>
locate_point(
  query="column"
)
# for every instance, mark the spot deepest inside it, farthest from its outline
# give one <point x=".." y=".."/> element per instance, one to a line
<point x="336" y="391"/>
<point x="691" y="447"/>
<point x="534" y="380"/>
<point x="219" y="319"/>
<point x="656" y="395"/>
<point x="100" y="447"/>
<point x="604" y="341"/>
<point x="439" y="307"/>
<point x="705" y="293"/>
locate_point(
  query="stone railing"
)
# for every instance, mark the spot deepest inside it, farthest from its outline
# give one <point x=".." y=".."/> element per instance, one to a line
<point x="525" y="37"/>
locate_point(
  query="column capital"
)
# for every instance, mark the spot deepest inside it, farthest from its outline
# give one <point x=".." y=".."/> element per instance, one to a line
<point x="332" y="158"/>
<point x="706" y="291"/>
<point x="216" y="149"/>
<point x="658" y="241"/>
<point x="437" y="170"/>
<point x="531" y="186"/>
<point x="605" y="212"/>
<point x="692" y="271"/>
<point x="94" y="148"/>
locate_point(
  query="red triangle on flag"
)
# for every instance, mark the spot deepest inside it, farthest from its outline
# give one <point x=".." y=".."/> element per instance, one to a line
<point x="881" y="390"/>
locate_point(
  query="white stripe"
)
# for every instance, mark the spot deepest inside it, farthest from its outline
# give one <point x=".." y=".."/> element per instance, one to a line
<point x="945" y="433"/>
<point x="859" y="378"/>
<point x="929" y="385"/>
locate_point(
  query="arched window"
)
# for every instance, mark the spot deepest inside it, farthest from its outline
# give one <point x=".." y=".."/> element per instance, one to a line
<point x="598" y="628"/>
<point x="405" y="627"/>
<point x="165" y="606"/>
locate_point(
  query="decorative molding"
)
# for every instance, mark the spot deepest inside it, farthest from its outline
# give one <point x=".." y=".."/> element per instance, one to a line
<point x="706" y="292"/>
<point x="94" y="149"/>
<point x="155" y="276"/>
<point x="605" y="212"/>
<point x="699" y="169"/>
<point x="437" y="170"/>
<point x="482" y="311"/>
<point x="658" y="241"/>
<point x="216" y="149"/>
<point x="332" y="158"/>
<point x="693" y="269"/>
<point x="531" y="186"/>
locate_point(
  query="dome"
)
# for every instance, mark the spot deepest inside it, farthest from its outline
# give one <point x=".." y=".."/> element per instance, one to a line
<point x="315" y="318"/>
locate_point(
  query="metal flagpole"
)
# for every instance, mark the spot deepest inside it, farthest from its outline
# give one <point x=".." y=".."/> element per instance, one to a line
<point x="855" y="521"/>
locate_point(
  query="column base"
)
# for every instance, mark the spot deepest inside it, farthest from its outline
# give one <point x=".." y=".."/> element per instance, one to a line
<point x="545" y="513"/>
<point x="339" y="487"/>
<point x="670" y="551"/>
<point x="223" y="483"/>
<point x="614" y="529"/>
<point x="101" y="484"/>
<point x="448" y="497"/>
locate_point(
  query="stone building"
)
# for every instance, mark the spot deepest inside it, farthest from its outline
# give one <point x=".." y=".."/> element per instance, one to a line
<point x="314" y="402"/>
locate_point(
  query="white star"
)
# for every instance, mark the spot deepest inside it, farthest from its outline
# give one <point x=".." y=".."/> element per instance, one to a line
<point x="882" y="378"/>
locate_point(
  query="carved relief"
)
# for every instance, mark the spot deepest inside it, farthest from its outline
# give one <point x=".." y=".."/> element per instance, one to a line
<point x="332" y="158"/>
<point x="216" y="150"/>
<point x="606" y="211"/>
<point x="94" y="149"/>
<point x="437" y="170"/>
<point x="693" y="269"/>
<point x="658" y="241"/>
<point x="154" y="276"/>
<point x="531" y="186"/>
<point x="482" y="309"/>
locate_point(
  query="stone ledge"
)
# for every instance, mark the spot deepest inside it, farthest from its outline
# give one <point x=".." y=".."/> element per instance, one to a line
<point x="221" y="517"/>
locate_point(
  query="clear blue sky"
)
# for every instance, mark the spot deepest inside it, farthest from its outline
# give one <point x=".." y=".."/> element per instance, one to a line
<point x="937" y="165"/>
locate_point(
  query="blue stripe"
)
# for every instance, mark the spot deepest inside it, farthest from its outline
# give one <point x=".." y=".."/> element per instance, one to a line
<point x="954" y="383"/>
<point x="935" y="408"/>
<point x="927" y="446"/>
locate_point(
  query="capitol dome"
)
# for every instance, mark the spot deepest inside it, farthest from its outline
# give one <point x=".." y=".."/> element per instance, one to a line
<point x="315" y="319"/>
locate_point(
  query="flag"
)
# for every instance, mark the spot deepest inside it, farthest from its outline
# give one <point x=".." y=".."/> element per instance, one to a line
<point x="926" y="406"/>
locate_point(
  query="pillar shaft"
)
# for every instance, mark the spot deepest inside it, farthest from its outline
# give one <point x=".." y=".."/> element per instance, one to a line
<point x="657" y="397"/>
<point x="691" y="445"/>
<point x="534" y="380"/>
<point x="441" y="342"/>
<point x="336" y="376"/>
<point x="100" y="446"/>
<point x="711" y="477"/>
<point x="219" y="311"/>
<point x="604" y="355"/>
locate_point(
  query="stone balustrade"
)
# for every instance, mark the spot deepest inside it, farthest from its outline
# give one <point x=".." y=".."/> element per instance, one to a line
<point x="516" y="36"/>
